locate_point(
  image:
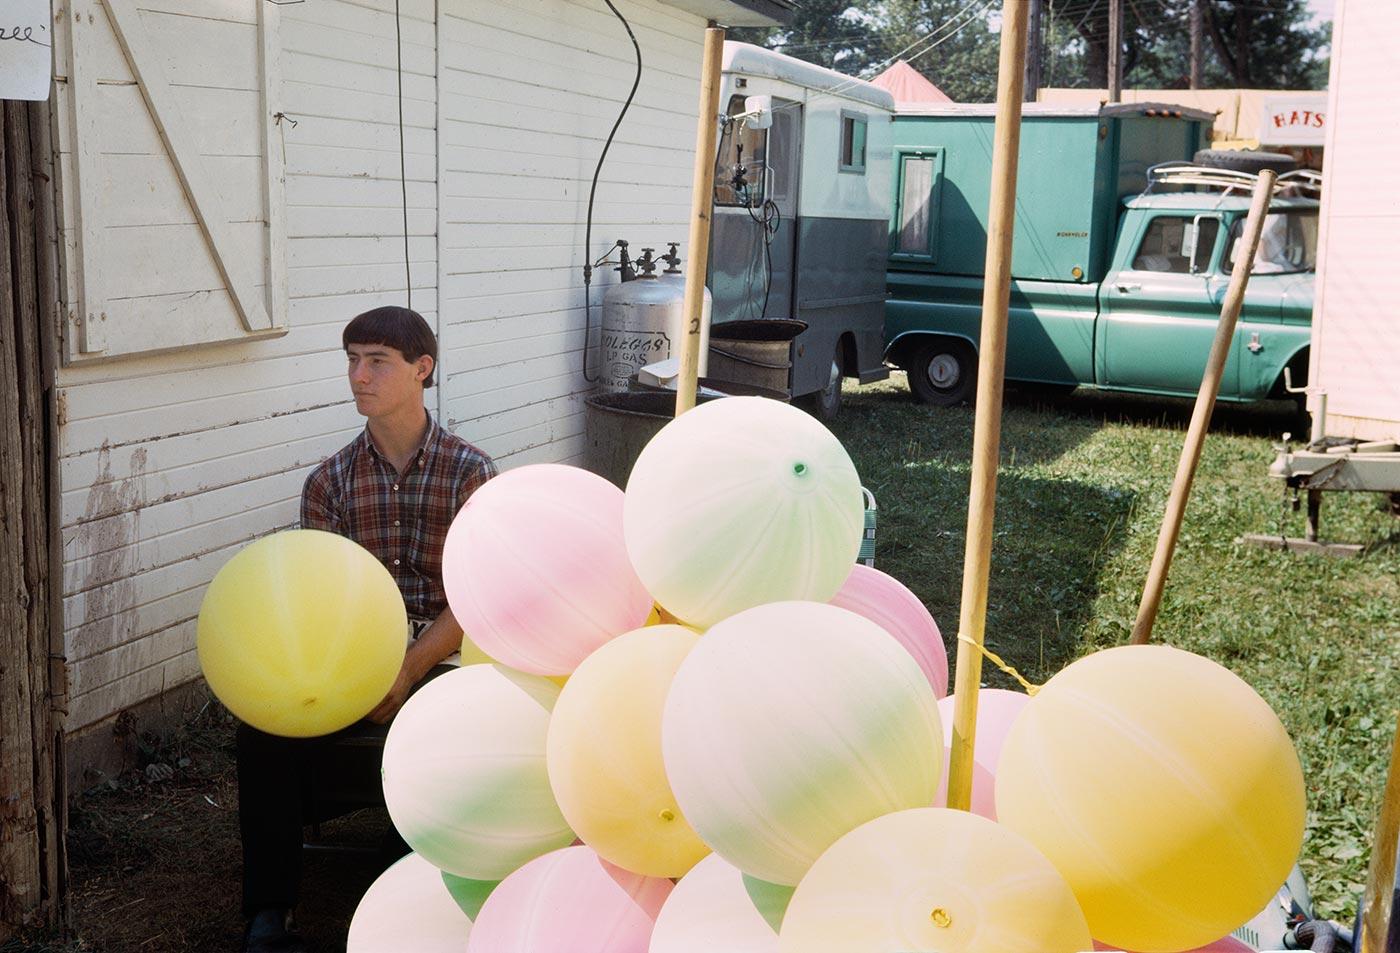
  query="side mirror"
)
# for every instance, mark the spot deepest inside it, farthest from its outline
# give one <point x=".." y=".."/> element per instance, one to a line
<point x="758" y="112"/>
<point x="1191" y="240"/>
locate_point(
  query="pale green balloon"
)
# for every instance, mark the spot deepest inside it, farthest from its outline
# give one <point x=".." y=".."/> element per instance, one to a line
<point x="741" y="502"/>
<point x="464" y="772"/>
<point x="789" y="725"/>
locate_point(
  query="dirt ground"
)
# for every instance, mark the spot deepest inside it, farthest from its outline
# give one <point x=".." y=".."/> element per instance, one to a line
<point x="155" y="865"/>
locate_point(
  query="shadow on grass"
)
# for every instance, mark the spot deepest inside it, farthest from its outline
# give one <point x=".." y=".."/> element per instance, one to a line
<point x="1053" y="536"/>
<point x="1268" y="418"/>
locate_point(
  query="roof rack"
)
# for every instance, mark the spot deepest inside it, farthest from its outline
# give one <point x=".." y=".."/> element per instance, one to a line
<point x="1230" y="180"/>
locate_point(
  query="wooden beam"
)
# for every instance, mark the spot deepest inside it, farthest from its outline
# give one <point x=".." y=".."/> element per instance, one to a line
<point x="1200" y="415"/>
<point x="991" y="369"/>
<point x="701" y="214"/>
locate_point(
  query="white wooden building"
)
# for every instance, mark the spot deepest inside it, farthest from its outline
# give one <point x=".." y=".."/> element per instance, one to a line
<point x="230" y="195"/>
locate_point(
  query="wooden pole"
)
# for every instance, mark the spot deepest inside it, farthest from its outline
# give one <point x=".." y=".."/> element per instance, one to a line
<point x="986" y="439"/>
<point x="1115" y="51"/>
<point x="1035" y="46"/>
<point x="1245" y="248"/>
<point x="701" y="209"/>
<point x="1380" y="905"/>
<point x="1197" y="67"/>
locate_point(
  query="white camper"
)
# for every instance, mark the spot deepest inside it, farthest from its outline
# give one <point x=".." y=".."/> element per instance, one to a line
<point x="801" y="217"/>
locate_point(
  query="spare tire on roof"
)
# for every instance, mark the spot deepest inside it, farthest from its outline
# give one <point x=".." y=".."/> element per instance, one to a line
<point x="1245" y="160"/>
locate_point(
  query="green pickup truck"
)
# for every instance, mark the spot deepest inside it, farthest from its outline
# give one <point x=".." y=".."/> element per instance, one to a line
<point x="1122" y="251"/>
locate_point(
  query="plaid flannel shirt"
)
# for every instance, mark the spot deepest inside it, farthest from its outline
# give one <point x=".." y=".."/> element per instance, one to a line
<point x="401" y="518"/>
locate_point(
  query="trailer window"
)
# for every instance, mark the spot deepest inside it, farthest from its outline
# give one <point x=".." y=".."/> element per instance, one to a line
<point x="741" y="172"/>
<point x="916" y="217"/>
<point x="852" y="142"/>
<point x="1161" y="247"/>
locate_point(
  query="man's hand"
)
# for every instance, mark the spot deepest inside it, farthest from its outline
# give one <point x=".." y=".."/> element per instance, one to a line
<point x="398" y="694"/>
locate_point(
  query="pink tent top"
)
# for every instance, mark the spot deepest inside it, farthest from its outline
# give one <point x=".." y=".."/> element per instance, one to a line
<point x="908" y="85"/>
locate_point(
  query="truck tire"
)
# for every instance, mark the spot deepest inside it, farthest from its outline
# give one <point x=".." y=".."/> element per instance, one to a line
<point x="1245" y="160"/>
<point x="943" y="372"/>
<point x="825" y="404"/>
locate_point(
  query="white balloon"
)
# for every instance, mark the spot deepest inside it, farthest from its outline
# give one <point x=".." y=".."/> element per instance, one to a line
<point x="712" y="909"/>
<point x="789" y="725"/>
<point x="741" y="502"/>
<point x="408" y="908"/>
<point x="465" y="779"/>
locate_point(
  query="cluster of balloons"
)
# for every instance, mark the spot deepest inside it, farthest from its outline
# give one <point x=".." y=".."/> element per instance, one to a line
<point x="762" y="768"/>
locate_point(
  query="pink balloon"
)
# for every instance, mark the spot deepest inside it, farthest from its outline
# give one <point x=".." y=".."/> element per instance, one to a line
<point x="536" y="570"/>
<point x="888" y="603"/>
<point x="997" y="709"/>
<point x="569" y="901"/>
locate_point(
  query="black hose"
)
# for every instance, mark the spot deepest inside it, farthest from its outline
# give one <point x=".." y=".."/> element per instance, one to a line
<point x="1320" y="936"/>
<point x="588" y="229"/>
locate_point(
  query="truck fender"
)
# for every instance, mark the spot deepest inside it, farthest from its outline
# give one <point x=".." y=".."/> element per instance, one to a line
<point x="899" y="351"/>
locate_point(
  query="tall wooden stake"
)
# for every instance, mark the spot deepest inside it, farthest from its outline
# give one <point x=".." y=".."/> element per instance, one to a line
<point x="701" y="209"/>
<point x="986" y="439"/>
<point x="1115" y="51"/>
<point x="1200" y="416"/>
<point x="1380" y="906"/>
<point x="1197" y="24"/>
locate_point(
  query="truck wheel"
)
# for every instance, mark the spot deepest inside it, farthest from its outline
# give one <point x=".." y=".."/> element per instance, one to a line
<point x="825" y="404"/>
<point x="1245" y="160"/>
<point x="943" y="372"/>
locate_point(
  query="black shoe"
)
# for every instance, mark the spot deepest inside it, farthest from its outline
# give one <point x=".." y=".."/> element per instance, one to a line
<point x="272" y="930"/>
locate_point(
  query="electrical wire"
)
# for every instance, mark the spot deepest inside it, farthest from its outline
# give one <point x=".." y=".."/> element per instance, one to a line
<point x="403" y="160"/>
<point x="593" y="189"/>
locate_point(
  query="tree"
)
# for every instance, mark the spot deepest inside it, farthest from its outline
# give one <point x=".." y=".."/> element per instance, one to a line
<point x="949" y="41"/>
<point x="1260" y="44"/>
<point x="833" y="33"/>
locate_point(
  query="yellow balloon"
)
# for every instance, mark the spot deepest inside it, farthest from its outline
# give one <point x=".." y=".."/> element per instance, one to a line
<point x="302" y="633"/>
<point x="1163" y="788"/>
<point x="930" y="879"/>
<point x="604" y="754"/>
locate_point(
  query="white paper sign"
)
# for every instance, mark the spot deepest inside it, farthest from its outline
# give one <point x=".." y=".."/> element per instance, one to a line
<point x="1298" y="120"/>
<point x="26" y="48"/>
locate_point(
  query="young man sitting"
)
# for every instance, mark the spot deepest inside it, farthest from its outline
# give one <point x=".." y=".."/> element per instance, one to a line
<point x="394" y="489"/>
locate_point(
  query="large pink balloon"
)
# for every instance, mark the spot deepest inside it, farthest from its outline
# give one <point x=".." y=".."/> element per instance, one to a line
<point x="997" y="709"/>
<point x="570" y="901"/>
<point x="888" y="603"/>
<point x="536" y="570"/>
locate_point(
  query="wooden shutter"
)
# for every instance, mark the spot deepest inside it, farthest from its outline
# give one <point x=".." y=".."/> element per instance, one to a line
<point x="172" y="158"/>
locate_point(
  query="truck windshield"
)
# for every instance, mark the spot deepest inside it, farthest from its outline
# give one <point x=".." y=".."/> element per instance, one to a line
<point x="1288" y="242"/>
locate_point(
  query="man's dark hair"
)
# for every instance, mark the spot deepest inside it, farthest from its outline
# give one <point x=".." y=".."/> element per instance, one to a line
<point x="403" y="329"/>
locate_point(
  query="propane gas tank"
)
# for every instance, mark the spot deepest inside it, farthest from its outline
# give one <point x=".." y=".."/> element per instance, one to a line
<point x="642" y="324"/>
<point x="672" y="275"/>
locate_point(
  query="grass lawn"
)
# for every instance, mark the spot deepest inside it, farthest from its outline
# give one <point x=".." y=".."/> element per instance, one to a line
<point x="1083" y="483"/>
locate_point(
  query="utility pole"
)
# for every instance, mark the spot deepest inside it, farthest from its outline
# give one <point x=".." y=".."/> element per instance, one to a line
<point x="1035" y="46"/>
<point x="1115" y="51"/>
<point x="1197" y="18"/>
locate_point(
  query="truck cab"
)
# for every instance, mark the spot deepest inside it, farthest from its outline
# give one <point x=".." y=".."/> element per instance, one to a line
<point x="1122" y="252"/>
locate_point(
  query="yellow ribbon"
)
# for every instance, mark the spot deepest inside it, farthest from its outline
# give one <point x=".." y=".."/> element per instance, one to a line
<point x="996" y="660"/>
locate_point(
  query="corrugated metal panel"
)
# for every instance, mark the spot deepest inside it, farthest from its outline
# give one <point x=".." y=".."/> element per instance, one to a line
<point x="1356" y="320"/>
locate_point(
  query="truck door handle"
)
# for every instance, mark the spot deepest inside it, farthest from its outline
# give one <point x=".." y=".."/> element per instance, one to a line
<point x="1123" y="287"/>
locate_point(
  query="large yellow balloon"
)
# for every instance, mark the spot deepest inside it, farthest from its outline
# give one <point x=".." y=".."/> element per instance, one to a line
<point x="302" y="633"/>
<point x="1163" y="788"/>
<point x="604" y="754"/>
<point x="931" y="879"/>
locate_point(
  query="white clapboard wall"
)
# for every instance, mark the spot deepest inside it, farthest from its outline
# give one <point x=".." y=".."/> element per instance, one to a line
<point x="1356" y="318"/>
<point x="227" y="247"/>
<point x="527" y="95"/>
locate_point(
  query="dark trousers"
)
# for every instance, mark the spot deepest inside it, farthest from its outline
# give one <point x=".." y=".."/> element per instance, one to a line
<point x="286" y="783"/>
